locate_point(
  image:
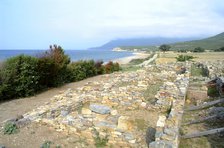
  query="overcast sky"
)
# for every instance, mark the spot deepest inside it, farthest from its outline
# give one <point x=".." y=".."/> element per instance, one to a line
<point x="79" y="24"/>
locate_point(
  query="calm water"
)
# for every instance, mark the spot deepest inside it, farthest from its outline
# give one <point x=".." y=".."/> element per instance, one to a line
<point x="75" y="55"/>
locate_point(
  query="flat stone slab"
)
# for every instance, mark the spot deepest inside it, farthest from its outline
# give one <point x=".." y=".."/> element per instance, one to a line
<point x="101" y="109"/>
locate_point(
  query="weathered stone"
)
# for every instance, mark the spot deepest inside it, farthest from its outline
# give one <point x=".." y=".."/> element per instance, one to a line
<point x="143" y="104"/>
<point x="101" y="109"/>
<point x="150" y="135"/>
<point x="128" y="136"/>
<point x="161" y="144"/>
<point x="105" y="124"/>
<point x="2" y="146"/>
<point x="132" y="141"/>
<point x="86" y="111"/>
<point x="161" y="121"/>
<point x="125" y="123"/>
<point x="22" y="122"/>
<point x="64" y="113"/>
<point x="113" y="112"/>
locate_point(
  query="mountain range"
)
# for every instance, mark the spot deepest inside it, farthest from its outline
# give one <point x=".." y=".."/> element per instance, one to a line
<point x="210" y="43"/>
<point x="149" y="41"/>
<point x="213" y="42"/>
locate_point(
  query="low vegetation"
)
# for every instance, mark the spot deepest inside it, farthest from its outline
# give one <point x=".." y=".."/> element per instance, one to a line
<point x="139" y="61"/>
<point x="199" y="49"/>
<point x="46" y="144"/>
<point x="23" y="75"/>
<point x="197" y="70"/>
<point x="219" y="49"/>
<point x="183" y="58"/>
<point x="10" y="128"/>
<point x="100" y="141"/>
<point x="165" y="47"/>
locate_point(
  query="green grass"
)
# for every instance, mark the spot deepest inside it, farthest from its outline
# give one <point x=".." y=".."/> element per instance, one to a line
<point x="100" y="142"/>
<point x="151" y="91"/>
<point x="130" y="68"/>
<point x="201" y="142"/>
<point x="139" y="61"/>
<point x="141" y="124"/>
<point x="213" y="92"/>
<point x="195" y="71"/>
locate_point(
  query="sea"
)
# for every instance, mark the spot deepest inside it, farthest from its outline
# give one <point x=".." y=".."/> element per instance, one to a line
<point x="75" y="55"/>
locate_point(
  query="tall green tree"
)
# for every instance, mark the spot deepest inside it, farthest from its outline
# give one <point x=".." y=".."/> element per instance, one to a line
<point x="165" y="47"/>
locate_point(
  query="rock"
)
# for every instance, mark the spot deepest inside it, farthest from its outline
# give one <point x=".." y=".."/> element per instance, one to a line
<point x="64" y="113"/>
<point x="150" y="135"/>
<point x="161" y="144"/>
<point x="70" y="120"/>
<point x="132" y="141"/>
<point x="143" y="104"/>
<point x="87" y="134"/>
<point x="124" y="123"/>
<point x="22" y="122"/>
<point x="86" y="111"/>
<point x="2" y="146"/>
<point x="113" y="112"/>
<point x="128" y="136"/>
<point x="105" y="124"/>
<point x="101" y="109"/>
<point x="161" y="121"/>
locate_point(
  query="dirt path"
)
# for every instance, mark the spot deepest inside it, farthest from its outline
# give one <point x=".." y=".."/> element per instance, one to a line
<point x="16" y="107"/>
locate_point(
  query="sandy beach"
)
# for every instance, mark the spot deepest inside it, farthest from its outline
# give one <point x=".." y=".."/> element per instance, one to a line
<point x="136" y="55"/>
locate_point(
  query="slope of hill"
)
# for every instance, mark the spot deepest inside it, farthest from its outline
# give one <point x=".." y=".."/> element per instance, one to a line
<point x="141" y="42"/>
<point x="210" y="43"/>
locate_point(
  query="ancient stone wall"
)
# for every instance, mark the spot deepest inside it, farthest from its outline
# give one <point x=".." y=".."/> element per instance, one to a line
<point x="171" y="97"/>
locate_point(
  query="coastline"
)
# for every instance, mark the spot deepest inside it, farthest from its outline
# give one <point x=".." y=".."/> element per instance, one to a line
<point x="126" y="60"/>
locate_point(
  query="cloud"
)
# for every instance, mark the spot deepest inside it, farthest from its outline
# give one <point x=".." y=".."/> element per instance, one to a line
<point x="96" y="21"/>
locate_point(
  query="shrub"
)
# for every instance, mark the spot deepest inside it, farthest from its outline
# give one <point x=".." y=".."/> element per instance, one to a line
<point x="219" y="50"/>
<point x="82" y="69"/>
<point x="19" y="77"/>
<point x="46" y="144"/>
<point x="165" y="47"/>
<point x="100" y="141"/>
<point x="10" y="128"/>
<point x="199" y="49"/>
<point x="182" y="58"/>
<point x="99" y="67"/>
<point x="52" y="67"/>
<point x="111" y="67"/>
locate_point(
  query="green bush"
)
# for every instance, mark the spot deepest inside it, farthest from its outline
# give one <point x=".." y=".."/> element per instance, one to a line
<point x="10" y="128"/>
<point x="100" y="142"/>
<point x="22" y="76"/>
<point x="46" y="144"/>
<point x="52" y="67"/>
<point x="99" y="67"/>
<point x="199" y="49"/>
<point x="219" y="50"/>
<point x="19" y="77"/>
<point x="111" y="67"/>
<point x="183" y="58"/>
<point x="82" y="69"/>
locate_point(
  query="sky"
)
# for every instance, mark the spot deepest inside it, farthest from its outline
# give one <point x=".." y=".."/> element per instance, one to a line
<point x="80" y="24"/>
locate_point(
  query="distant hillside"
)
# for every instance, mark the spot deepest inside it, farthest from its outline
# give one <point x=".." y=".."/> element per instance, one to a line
<point x="141" y="42"/>
<point x="210" y="43"/>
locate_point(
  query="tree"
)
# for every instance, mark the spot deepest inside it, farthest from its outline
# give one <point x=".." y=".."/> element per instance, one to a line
<point x="199" y="49"/>
<point x="164" y="47"/>
<point x="52" y="66"/>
